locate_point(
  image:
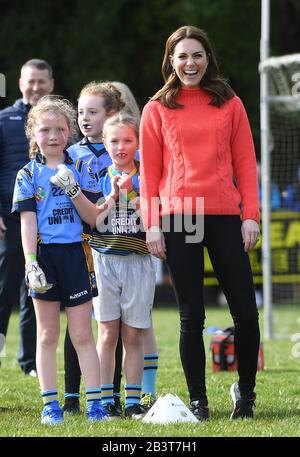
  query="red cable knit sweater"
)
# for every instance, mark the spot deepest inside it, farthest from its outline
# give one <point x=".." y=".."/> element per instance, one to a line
<point x="197" y="150"/>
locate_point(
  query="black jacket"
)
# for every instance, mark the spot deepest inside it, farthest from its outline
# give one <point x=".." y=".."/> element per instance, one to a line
<point x="13" y="150"/>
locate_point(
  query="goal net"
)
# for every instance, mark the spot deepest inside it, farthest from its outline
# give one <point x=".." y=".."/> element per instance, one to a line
<point x="283" y="101"/>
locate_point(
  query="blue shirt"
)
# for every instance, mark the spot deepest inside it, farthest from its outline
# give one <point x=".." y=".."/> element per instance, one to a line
<point x="121" y="233"/>
<point x="57" y="218"/>
<point x="96" y="157"/>
<point x="123" y="239"/>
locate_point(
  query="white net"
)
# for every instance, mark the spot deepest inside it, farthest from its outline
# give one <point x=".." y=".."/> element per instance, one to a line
<point x="284" y="108"/>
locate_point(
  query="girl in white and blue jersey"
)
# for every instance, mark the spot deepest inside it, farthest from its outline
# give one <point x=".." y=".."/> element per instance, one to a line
<point x="97" y="102"/>
<point x="122" y="261"/>
<point x="59" y="267"/>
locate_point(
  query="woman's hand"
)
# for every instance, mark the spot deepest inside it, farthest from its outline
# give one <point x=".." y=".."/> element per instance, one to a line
<point x="155" y="241"/>
<point x="250" y="234"/>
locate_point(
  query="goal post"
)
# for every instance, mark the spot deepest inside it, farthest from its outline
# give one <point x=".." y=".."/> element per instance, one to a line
<point x="280" y="166"/>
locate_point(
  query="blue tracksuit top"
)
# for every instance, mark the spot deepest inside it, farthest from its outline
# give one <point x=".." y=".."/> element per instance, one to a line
<point x="13" y="150"/>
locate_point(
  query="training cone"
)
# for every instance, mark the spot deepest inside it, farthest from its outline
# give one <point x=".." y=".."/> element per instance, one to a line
<point x="169" y="409"/>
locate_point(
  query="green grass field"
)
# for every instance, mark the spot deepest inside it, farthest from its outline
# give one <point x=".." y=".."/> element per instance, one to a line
<point x="277" y="412"/>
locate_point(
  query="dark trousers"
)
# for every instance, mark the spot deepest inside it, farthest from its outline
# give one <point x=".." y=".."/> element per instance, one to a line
<point x="72" y="368"/>
<point x="222" y="237"/>
<point x="13" y="291"/>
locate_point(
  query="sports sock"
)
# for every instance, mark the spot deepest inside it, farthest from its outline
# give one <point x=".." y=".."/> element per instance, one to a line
<point x="71" y="395"/>
<point x="92" y="395"/>
<point x="149" y="374"/>
<point x="49" y="396"/>
<point x="133" y="394"/>
<point x="107" y="394"/>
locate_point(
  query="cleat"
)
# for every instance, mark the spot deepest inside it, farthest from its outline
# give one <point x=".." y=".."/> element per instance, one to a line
<point x="147" y="401"/>
<point x="52" y="414"/>
<point x="32" y="373"/>
<point x="95" y="412"/>
<point x="118" y="404"/>
<point x="200" y="409"/>
<point x="71" y="405"/>
<point x="135" y="411"/>
<point x="112" y="411"/>
<point x="242" y="405"/>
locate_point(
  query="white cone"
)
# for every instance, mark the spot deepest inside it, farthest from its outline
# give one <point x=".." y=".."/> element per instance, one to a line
<point x="169" y="409"/>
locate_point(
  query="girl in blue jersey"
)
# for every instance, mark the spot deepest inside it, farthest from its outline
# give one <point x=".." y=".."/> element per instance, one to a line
<point x="97" y="102"/>
<point x="59" y="267"/>
<point x="122" y="261"/>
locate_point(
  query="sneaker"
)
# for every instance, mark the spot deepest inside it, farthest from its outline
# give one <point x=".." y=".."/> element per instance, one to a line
<point x="71" y="405"/>
<point x="52" y="414"/>
<point x="118" y="405"/>
<point x="135" y="411"/>
<point x="243" y="405"/>
<point x="96" y="412"/>
<point x="200" y="409"/>
<point x="32" y="373"/>
<point x="112" y="411"/>
<point x="147" y="401"/>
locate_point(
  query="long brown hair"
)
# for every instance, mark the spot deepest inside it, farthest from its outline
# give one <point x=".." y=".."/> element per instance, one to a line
<point x="212" y="82"/>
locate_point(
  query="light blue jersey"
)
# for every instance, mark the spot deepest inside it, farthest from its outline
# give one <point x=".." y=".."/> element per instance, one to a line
<point x="57" y="218"/>
<point x="121" y="233"/>
<point x="96" y="157"/>
<point x="123" y="239"/>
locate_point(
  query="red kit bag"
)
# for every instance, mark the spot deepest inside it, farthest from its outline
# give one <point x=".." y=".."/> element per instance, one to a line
<point x="223" y="354"/>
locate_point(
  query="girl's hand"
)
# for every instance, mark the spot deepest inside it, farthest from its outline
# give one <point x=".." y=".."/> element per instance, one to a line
<point x="114" y="193"/>
<point x="125" y="183"/>
<point x="65" y="179"/>
<point x="250" y="233"/>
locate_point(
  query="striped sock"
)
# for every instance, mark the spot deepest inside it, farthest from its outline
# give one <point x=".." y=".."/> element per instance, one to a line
<point x="133" y="394"/>
<point x="149" y="373"/>
<point x="107" y="394"/>
<point x="92" y="395"/>
<point x="71" y="395"/>
<point x="49" y="396"/>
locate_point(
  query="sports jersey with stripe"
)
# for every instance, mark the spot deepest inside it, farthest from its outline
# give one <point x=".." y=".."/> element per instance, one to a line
<point x="121" y="233"/>
<point x="57" y="218"/>
<point x="98" y="160"/>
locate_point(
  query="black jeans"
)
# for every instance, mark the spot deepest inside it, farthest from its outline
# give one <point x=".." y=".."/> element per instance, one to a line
<point x="13" y="291"/>
<point x="222" y="237"/>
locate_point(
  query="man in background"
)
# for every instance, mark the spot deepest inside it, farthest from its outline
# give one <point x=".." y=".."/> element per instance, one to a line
<point x="35" y="81"/>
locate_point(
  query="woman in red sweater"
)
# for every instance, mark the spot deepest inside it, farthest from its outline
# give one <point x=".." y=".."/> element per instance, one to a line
<point x="196" y="142"/>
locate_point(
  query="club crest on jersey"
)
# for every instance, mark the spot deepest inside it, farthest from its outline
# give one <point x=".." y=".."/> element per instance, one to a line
<point x="40" y="194"/>
<point x="20" y="182"/>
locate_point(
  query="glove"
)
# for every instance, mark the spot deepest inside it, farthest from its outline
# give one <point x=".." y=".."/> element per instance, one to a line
<point x="35" y="278"/>
<point x="64" y="178"/>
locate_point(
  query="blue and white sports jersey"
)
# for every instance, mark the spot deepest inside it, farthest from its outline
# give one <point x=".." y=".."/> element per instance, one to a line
<point x="97" y="158"/>
<point x="121" y="233"/>
<point x="129" y="238"/>
<point x="57" y="218"/>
